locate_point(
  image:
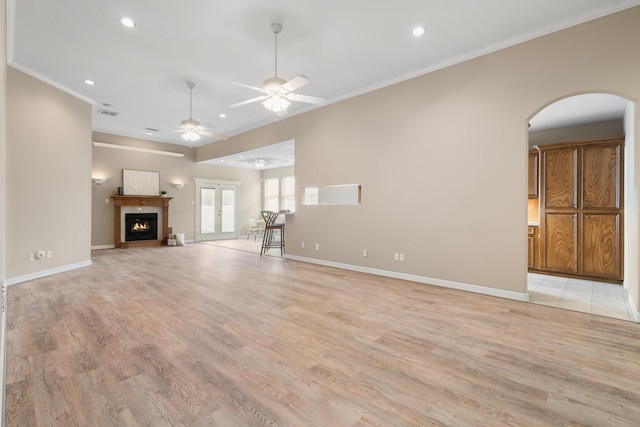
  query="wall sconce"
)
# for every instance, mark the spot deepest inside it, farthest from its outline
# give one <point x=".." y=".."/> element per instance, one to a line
<point x="178" y="185"/>
<point x="98" y="181"/>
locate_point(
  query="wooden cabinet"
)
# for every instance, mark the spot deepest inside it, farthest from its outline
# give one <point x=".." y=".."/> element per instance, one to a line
<point x="560" y="242"/>
<point x="533" y="174"/>
<point x="581" y="208"/>
<point x="601" y="247"/>
<point x="602" y="177"/>
<point x="533" y="246"/>
<point x="560" y="179"/>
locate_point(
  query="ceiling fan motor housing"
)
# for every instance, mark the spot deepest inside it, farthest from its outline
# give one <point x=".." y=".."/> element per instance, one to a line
<point x="276" y="27"/>
<point x="190" y="124"/>
<point x="273" y="86"/>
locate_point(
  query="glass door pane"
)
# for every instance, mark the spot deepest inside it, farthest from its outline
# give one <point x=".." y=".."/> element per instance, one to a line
<point x="207" y="210"/>
<point x="228" y="219"/>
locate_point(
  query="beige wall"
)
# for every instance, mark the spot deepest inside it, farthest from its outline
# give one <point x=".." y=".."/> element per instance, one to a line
<point x="278" y="172"/>
<point x="109" y="162"/>
<point x="3" y="200"/>
<point x="632" y="207"/>
<point x="48" y="176"/>
<point x="3" y="139"/>
<point x="443" y="157"/>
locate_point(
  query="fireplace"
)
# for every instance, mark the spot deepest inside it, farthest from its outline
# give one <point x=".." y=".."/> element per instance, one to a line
<point x="140" y="226"/>
<point x="137" y="205"/>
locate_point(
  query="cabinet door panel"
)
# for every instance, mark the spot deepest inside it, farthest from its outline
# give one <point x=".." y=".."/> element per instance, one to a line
<point x="601" y="245"/>
<point x="560" y="247"/>
<point x="531" y="252"/>
<point x="533" y="175"/>
<point x="560" y="179"/>
<point x="601" y="177"/>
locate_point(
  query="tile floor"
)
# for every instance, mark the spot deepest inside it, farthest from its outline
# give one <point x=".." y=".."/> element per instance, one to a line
<point x="587" y="296"/>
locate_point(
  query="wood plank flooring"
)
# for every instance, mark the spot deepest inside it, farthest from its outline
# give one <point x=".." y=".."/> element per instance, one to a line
<point x="206" y="336"/>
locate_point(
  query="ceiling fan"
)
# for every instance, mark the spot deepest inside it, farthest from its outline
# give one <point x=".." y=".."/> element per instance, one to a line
<point x="191" y="129"/>
<point x="263" y="162"/>
<point x="278" y="92"/>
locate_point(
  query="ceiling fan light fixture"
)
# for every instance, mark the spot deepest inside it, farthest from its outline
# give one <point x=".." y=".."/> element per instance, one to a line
<point x="418" y="31"/>
<point x="127" y="22"/>
<point x="190" y="136"/>
<point x="276" y="103"/>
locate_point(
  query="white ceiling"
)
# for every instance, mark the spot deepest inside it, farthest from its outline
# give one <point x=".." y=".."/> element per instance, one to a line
<point x="273" y="156"/>
<point x="579" y="109"/>
<point x="345" y="47"/>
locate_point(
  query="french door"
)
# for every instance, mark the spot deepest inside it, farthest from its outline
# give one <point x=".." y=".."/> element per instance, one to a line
<point x="216" y="210"/>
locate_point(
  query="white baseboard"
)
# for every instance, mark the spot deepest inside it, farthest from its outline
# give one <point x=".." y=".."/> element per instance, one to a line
<point x="518" y="296"/>
<point x="100" y="247"/>
<point x="3" y="355"/>
<point x="45" y="273"/>
<point x="633" y="307"/>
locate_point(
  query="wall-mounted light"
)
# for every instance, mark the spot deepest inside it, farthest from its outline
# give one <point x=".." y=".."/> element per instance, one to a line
<point x="98" y="181"/>
<point x="178" y="185"/>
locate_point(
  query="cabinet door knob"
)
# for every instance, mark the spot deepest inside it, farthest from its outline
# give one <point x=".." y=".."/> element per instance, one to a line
<point x="587" y="216"/>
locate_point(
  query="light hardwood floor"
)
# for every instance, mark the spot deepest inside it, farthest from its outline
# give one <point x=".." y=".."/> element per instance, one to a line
<point x="205" y="336"/>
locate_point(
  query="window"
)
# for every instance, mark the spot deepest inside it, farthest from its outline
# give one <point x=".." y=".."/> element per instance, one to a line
<point x="271" y="194"/>
<point x="279" y="194"/>
<point x="288" y="200"/>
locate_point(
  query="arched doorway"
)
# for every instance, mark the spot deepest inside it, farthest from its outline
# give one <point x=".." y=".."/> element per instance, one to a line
<point x="584" y="117"/>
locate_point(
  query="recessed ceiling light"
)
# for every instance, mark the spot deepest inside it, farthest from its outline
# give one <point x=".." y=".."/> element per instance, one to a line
<point x="127" y="22"/>
<point x="223" y="115"/>
<point x="418" y="31"/>
<point x="89" y="82"/>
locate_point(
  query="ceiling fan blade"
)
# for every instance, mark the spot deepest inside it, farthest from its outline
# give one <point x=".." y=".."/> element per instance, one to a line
<point x="307" y="99"/>
<point x="211" y="134"/>
<point x="259" y="89"/>
<point x="295" y="83"/>
<point x="249" y="101"/>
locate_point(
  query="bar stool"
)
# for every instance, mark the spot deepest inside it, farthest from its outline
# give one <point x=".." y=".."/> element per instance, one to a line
<point x="270" y="228"/>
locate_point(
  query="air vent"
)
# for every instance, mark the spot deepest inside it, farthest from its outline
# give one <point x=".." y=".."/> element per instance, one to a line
<point x="151" y="130"/>
<point x="108" y="112"/>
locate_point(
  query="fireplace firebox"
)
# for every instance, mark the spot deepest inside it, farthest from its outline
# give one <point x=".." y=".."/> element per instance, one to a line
<point x="140" y="226"/>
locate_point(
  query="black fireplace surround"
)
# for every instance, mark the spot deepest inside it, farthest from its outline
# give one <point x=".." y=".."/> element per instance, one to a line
<point x="140" y="226"/>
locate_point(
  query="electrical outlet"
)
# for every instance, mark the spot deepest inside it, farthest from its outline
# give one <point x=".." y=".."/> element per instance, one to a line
<point x="302" y="245"/>
<point x="31" y="258"/>
<point x="106" y="201"/>
<point x="317" y="246"/>
<point x="396" y="256"/>
<point x="401" y="257"/>
<point x="364" y="252"/>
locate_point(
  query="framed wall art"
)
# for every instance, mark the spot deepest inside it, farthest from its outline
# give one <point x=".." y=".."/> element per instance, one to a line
<point x="141" y="183"/>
